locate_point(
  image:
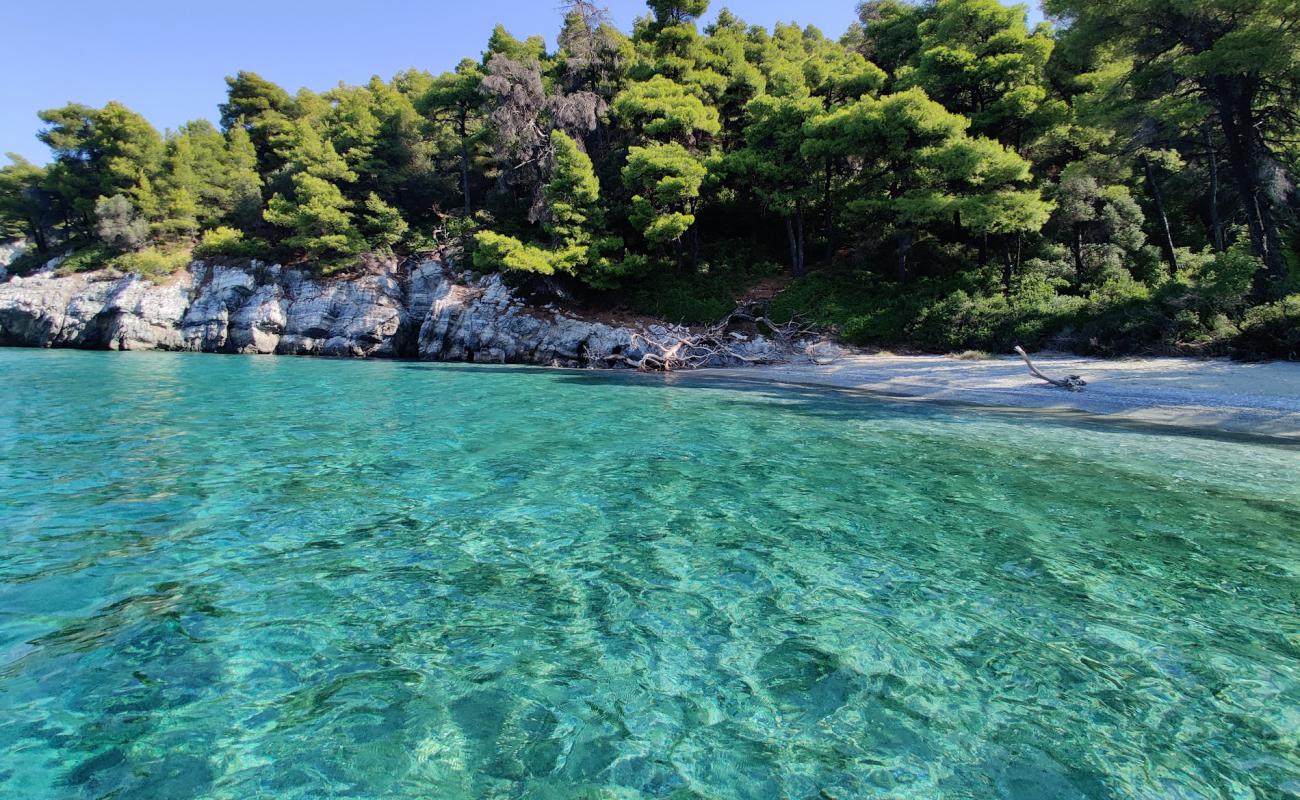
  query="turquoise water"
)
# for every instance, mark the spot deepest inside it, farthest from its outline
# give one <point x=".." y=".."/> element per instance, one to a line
<point x="255" y="577"/>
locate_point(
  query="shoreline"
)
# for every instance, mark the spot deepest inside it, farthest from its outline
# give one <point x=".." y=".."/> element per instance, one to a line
<point x="1210" y="395"/>
<point x="1258" y="400"/>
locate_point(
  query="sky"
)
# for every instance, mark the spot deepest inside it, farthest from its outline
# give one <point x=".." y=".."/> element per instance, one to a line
<point x="168" y="59"/>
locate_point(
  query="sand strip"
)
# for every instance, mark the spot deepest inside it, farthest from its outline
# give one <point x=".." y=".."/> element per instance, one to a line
<point x="1204" y="394"/>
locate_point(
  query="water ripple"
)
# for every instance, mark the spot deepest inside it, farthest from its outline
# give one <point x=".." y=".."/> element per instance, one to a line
<point x="240" y="577"/>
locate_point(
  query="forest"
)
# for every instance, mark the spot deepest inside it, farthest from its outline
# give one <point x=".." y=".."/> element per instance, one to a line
<point x="943" y="176"/>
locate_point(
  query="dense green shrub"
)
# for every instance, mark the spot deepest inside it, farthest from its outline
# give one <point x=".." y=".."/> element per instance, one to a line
<point x="727" y="270"/>
<point x="861" y="307"/>
<point x="690" y="299"/>
<point x="229" y="242"/>
<point x="1271" y="331"/>
<point x="1029" y="316"/>
<point x="85" y="259"/>
<point x="1196" y="312"/>
<point x="152" y="262"/>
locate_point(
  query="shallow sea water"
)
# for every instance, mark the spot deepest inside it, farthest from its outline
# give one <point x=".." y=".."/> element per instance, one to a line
<point x="242" y="577"/>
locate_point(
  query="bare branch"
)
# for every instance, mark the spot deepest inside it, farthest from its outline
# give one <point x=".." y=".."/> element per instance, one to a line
<point x="1073" y="382"/>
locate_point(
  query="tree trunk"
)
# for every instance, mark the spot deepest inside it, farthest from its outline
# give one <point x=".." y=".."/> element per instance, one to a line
<point x="1008" y="270"/>
<point x="798" y="229"/>
<point x="829" y="213"/>
<point x="1234" y="103"/>
<point x="794" y="245"/>
<point x="38" y="235"/>
<point x="695" y="247"/>
<point x="1167" y="236"/>
<point x="905" y="241"/>
<point x="1076" y="247"/>
<point x="464" y="172"/>
<point x="1216" y="226"/>
<point x="464" y="176"/>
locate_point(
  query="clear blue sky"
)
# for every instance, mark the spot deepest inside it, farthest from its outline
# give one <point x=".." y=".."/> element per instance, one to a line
<point x="167" y="59"/>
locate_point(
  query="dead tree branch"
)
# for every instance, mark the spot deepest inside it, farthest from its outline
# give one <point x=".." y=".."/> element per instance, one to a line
<point x="713" y="346"/>
<point x="1072" y="382"/>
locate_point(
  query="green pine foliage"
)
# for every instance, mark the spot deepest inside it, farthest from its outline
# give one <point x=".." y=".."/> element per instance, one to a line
<point x="942" y="176"/>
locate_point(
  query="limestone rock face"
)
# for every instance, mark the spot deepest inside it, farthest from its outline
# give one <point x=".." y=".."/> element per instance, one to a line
<point x="269" y="309"/>
<point x="221" y="293"/>
<point x="423" y="309"/>
<point x="93" y="311"/>
<point x="484" y="321"/>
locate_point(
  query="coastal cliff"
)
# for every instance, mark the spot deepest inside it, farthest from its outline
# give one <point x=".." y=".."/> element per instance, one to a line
<point x="418" y="309"/>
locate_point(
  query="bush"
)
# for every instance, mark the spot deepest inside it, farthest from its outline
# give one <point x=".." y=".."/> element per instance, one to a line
<point x="727" y="270"/>
<point x="960" y="320"/>
<point x="151" y="262"/>
<point x="118" y="224"/>
<point x="689" y="299"/>
<point x="1218" y="283"/>
<point x="1270" y="331"/>
<point x="861" y="307"/>
<point x="1030" y="316"/>
<point x="939" y="315"/>
<point x="230" y="243"/>
<point x="1119" y="317"/>
<point x="85" y="259"/>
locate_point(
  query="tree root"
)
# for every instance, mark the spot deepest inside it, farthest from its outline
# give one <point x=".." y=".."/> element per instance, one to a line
<point x="711" y="346"/>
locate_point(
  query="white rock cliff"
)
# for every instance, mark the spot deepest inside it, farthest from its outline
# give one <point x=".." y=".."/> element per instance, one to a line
<point x="419" y="310"/>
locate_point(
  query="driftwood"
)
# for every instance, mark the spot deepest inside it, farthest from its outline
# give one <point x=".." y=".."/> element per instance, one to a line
<point x="712" y="346"/>
<point x="1072" y="382"/>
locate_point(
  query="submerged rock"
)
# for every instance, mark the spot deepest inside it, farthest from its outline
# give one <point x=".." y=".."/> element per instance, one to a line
<point x="417" y="309"/>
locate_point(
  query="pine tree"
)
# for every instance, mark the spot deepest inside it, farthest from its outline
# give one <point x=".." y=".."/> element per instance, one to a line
<point x="318" y="220"/>
<point x="1240" y="61"/>
<point x="574" y="225"/>
<point x="978" y="58"/>
<point x="316" y="213"/>
<point x="27" y="208"/>
<point x="773" y="163"/>
<point x="455" y="99"/>
<point x="665" y="180"/>
<point x="100" y="153"/>
<point x="917" y="170"/>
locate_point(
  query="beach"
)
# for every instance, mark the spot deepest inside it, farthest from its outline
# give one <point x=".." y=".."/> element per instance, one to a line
<point x="1202" y="394"/>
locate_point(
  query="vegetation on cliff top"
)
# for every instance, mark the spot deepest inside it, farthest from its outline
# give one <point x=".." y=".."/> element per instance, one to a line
<point x="943" y="175"/>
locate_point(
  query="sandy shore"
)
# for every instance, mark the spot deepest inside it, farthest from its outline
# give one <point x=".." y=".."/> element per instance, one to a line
<point x="1221" y="395"/>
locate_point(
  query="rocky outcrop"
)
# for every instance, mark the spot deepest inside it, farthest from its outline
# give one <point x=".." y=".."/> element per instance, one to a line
<point x="9" y="250"/>
<point x="486" y="322"/>
<point x="269" y="309"/>
<point x="422" y="310"/>
<point x="126" y="313"/>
